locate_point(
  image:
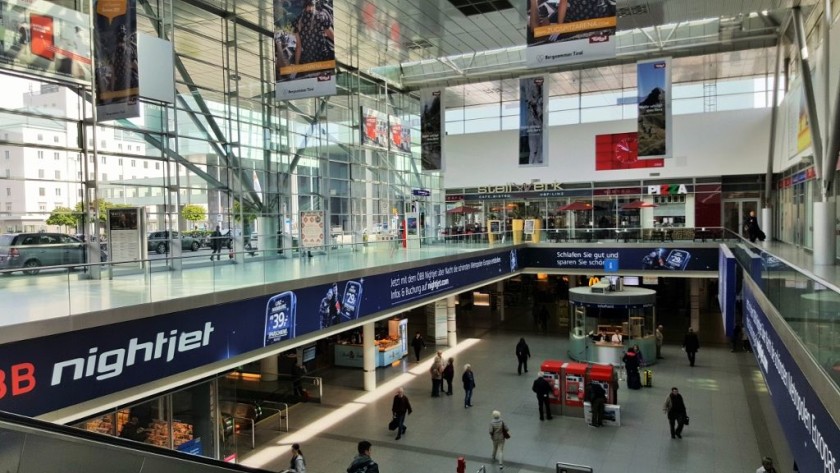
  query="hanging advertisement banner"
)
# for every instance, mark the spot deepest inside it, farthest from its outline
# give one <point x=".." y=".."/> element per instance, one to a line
<point x="431" y="129"/>
<point x="43" y="37"/>
<point x="569" y="31"/>
<point x="312" y="229"/>
<point x="375" y="131"/>
<point x="803" y="128"/>
<point x="400" y="135"/>
<point x="304" y="49"/>
<point x="115" y="45"/>
<point x="654" y="122"/>
<point x="621" y="151"/>
<point x="533" y="139"/>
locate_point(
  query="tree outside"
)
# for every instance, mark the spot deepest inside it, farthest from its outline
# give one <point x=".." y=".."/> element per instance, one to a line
<point x="193" y="213"/>
<point x="64" y="217"/>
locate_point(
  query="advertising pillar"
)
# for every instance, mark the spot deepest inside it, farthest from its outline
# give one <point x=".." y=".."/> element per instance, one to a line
<point x="369" y="356"/>
<point x="451" y="327"/>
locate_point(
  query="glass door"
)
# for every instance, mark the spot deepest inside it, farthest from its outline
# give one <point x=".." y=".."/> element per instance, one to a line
<point x="735" y="213"/>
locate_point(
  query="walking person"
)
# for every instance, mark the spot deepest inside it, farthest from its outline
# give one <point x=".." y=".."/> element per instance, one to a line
<point x="675" y="409"/>
<point x="436" y="372"/>
<point x="448" y="375"/>
<point x="400" y="408"/>
<point x="753" y="230"/>
<point x="363" y="463"/>
<point x="542" y="388"/>
<point x="498" y="434"/>
<point x="297" y="464"/>
<point x="522" y="355"/>
<point x="691" y="345"/>
<point x="418" y="344"/>
<point x="216" y="244"/>
<point x="597" y="399"/>
<point x="660" y="338"/>
<point x="767" y="466"/>
<point x="631" y="364"/>
<point x="469" y="384"/>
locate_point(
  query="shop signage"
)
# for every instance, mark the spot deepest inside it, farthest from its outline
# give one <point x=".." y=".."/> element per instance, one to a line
<point x="812" y="434"/>
<point x="621" y="191"/>
<point x="524" y="187"/>
<point x="667" y="189"/>
<point x="421" y="192"/>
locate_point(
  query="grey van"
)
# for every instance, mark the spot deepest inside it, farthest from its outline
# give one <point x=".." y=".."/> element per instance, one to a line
<point x="33" y="251"/>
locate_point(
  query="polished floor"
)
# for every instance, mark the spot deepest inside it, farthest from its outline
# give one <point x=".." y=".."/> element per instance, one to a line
<point x="732" y="423"/>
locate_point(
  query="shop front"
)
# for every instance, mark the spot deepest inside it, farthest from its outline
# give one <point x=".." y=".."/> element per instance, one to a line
<point x="391" y="347"/>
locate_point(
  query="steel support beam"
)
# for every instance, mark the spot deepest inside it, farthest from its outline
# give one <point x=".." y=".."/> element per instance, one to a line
<point x="774" y="118"/>
<point x="808" y="88"/>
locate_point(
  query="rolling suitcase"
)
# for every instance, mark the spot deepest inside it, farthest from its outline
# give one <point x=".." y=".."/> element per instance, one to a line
<point x="647" y="378"/>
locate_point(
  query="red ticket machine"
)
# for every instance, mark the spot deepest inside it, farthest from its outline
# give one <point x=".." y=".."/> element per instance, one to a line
<point x="551" y="370"/>
<point x="605" y="376"/>
<point x="573" y="382"/>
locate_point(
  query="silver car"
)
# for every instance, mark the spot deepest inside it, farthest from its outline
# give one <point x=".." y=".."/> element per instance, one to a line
<point x="33" y="251"/>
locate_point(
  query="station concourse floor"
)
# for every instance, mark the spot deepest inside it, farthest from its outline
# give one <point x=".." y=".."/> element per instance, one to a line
<point x="731" y="415"/>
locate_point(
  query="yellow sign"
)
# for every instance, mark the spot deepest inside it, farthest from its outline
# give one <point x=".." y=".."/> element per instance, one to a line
<point x="593" y="280"/>
<point x="111" y="8"/>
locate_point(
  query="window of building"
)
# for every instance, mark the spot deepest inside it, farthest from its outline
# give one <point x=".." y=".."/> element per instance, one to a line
<point x="8" y="191"/>
<point x="104" y="161"/>
<point x="121" y="177"/>
<point x="8" y="173"/>
<point x="58" y="175"/>
<point x="157" y="166"/>
<point x="57" y="156"/>
<point x="40" y="174"/>
<point x="119" y="161"/>
<point x="42" y="206"/>
<point x="104" y="144"/>
<point x="119" y="146"/>
<point x="40" y="154"/>
<point x="55" y="139"/>
<point x="58" y="191"/>
<point x="8" y="206"/>
<point x="133" y="163"/>
<point x="145" y="165"/>
<point x="40" y="137"/>
<point x="6" y="154"/>
<point x="104" y="176"/>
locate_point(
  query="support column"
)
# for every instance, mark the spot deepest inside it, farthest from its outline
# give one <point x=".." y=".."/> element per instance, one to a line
<point x="767" y="223"/>
<point x="824" y="248"/>
<point x="369" y="356"/>
<point x="694" y="303"/>
<point x="268" y="368"/>
<point x="451" y="327"/>
<point x="436" y="321"/>
<point x="500" y="290"/>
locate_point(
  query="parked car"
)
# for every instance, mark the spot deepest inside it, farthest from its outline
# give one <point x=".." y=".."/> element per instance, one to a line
<point x="33" y="251"/>
<point x="159" y="242"/>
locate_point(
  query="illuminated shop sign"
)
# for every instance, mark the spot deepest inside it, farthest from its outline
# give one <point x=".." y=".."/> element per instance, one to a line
<point x="667" y="189"/>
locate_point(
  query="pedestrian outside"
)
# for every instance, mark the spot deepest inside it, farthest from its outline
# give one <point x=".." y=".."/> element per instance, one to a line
<point x="363" y="463"/>
<point x="542" y="388"/>
<point x="449" y="375"/>
<point x="418" y="344"/>
<point x="522" y="355"/>
<point x="675" y="409"/>
<point x="216" y="244"/>
<point x="468" y="378"/>
<point x="498" y="432"/>
<point x="691" y="345"/>
<point x="400" y="408"/>
<point x="660" y="338"/>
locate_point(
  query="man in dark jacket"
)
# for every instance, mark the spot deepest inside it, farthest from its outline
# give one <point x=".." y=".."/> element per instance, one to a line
<point x="542" y="388"/>
<point x="753" y="230"/>
<point x="598" y="399"/>
<point x="676" y="411"/>
<point x="400" y="408"/>
<point x="216" y="244"/>
<point x="522" y="355"/>
<point x="691" y="345"/>
<point x="362" y="463"/>
<point x="418" y="344"/>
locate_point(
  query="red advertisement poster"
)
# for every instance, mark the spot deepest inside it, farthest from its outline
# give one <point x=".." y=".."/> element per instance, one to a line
<point x="42" y="36"/>
<point x="620" y="151"/>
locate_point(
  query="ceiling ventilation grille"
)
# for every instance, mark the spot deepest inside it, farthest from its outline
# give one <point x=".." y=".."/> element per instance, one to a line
<point x="633" y="10"/>
<point x="479" y="7"/>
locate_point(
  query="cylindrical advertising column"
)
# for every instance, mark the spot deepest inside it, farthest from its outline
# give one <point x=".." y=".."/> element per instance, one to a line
<point x="451" y="328"/>
<point x="825" y="250"/>
<point x="369" y="353"/>
<point x="767" y="223"/>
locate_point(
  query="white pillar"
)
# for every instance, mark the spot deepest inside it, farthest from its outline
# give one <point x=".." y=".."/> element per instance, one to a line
<point x="694" y="303"/>
<point x="451" y="328"/>
<point x="500" y="289"/>
<point x="268" y="368"/>
<point x="824" y="246"/>
<point x="436" y="321"/>
<point x="369" y="352"/>
<point x="767" y="222"/>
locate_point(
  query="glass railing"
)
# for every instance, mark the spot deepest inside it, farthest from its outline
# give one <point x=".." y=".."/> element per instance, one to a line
<point x="808" y="304"/>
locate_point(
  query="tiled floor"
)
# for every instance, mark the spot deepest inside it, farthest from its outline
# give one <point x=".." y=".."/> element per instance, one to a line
<point x="729" y="429"/>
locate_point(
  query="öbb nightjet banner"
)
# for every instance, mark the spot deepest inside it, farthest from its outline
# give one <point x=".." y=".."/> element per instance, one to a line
<point x="431" y="129"/>
<point x="654" y="84"/>
<point x="304" y="49"/>
<point x="117" y="72"/>
<point x="569" y="31"/>
<point x="533" y="142"/>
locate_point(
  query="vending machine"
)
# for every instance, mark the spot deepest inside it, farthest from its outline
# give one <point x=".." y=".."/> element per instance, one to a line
<point x="605" y="375"/>
<point x="550" y="370"/>
<point x="573" y="380"/>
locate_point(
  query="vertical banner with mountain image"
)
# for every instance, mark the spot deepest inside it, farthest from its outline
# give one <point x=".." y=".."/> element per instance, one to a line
<point x="431" y="129"/>
<point x="304" y="49"/>
<point x="533" y="139"/>
<point x="115" y="46"/>
<point x="569" y="31"/>
<point x="45" y="38"/>
<point x="654" y="121"/>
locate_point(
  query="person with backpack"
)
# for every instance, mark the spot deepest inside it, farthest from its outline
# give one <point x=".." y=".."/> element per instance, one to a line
<point x="542" y="388"/>
<point x="522" y="355"/>
<point x="363" y="463"/>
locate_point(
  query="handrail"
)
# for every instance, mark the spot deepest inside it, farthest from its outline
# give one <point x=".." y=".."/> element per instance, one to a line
<point x="283" y="413"/>
<point x="253" y="429"/>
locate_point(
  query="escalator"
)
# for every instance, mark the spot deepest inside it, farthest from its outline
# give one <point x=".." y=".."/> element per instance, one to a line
<point x="32" y="446"/>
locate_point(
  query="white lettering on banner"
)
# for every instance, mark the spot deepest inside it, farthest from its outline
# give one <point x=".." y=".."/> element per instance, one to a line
<point x="583" y="259"/>
<point x="428" y="281"/>
<point x="768" y="356"/>
<point x="111" y="363"/>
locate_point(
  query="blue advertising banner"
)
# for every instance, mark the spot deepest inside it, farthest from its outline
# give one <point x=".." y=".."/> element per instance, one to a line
<point x="569" y="31"/>
<point x="654" y="120"/>
<point x="115" y="48"/>
<point x="629" y="259"/>
<point x="533" y="139"/>
<point x="45" y="374"/>
<point x="812" y="435"/>
<point x="727" y="288"/>
<point x="304" y="49"/>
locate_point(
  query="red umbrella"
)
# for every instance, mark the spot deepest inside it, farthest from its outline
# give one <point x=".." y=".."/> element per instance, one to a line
<point x="577" y="206"/>
<point x="463" y="210"/>
<point x="639" y="204"/>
